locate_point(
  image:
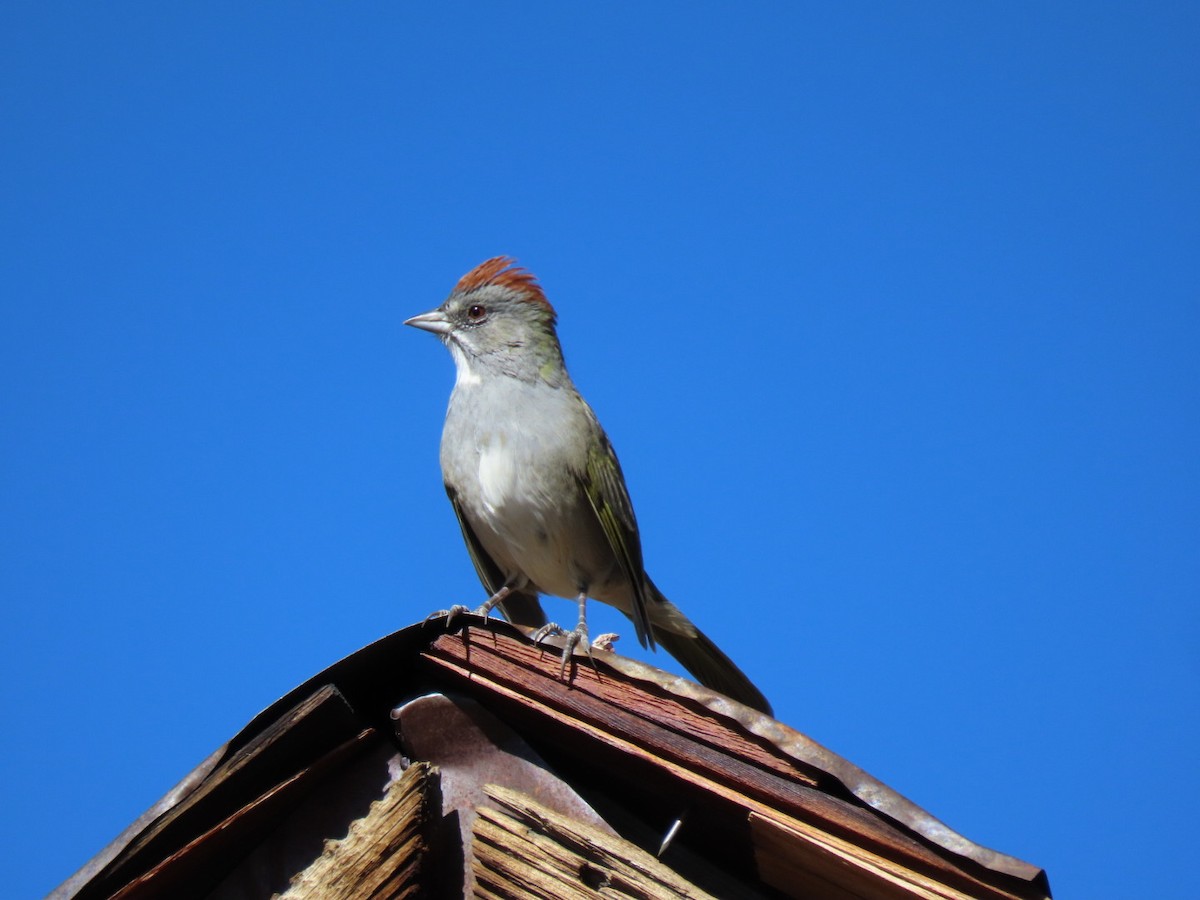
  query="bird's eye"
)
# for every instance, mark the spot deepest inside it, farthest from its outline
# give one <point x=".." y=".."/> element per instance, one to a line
<point x="476" y="313"/>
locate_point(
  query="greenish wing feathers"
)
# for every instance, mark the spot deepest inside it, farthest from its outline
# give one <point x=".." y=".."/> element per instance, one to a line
<point x="605" y="488"/>
<point x="489" y="573"/>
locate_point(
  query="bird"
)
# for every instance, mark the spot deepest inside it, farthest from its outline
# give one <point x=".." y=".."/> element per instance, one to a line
<point x="535" y="483"/>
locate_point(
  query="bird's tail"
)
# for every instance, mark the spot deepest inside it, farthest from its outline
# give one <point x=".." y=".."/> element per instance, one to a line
<point x="699" y="655"/>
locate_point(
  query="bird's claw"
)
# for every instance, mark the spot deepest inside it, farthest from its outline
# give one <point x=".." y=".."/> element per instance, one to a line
<point x="550" y="629"/>
<point x="575" y="638"/>
<point x="457" y="610"/>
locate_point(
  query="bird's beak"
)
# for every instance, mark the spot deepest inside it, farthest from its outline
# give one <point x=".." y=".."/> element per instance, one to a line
<point x="434" y="320"/>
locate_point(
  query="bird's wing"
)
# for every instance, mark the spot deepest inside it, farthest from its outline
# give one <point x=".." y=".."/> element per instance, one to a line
<point x="522" y="608"/>
<point x="487" y="570"/>
<point x="605" y="488"/>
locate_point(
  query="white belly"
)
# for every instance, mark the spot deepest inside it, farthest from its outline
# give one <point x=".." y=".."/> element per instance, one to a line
<point x="527" y="524"/>
<point x="516" y="485"/>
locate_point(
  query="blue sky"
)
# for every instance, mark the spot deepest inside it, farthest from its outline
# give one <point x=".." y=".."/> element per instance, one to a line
<point x="892" y="314"/>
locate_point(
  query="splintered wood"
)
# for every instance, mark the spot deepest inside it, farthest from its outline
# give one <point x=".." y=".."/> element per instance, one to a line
<point x="524" y="849"/>
<point x="382" y="853"/>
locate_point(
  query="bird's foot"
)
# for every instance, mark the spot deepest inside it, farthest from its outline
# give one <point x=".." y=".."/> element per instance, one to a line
<point x="575" y="638"/>
<point x="550" y="629"/>
<point x="458" y="610"/>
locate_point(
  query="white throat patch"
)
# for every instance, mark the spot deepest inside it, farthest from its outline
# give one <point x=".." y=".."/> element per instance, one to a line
<point x="463" y="366"/>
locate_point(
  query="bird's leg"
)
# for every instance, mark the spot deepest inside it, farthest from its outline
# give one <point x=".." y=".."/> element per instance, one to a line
<point x="490" y="603"/>
<point x="458" y="609"/>
<point x="581" y="632"/>
<point x="575" y="637"/>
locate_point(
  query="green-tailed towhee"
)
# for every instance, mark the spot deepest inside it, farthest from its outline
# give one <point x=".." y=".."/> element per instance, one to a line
<point x="534" y="481"/>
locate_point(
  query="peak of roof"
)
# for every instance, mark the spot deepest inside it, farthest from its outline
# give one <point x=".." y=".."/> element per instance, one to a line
<point x="768" y="809"/>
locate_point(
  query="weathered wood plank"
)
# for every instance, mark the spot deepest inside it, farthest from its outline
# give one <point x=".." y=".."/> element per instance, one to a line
<point x="381" y="856"/>
<point x="803" y="862"/>
<point x="525" y="849"/>
<point x="195" y="868"/>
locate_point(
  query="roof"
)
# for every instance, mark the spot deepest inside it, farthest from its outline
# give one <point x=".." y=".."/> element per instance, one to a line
<point x="460" y="759"/>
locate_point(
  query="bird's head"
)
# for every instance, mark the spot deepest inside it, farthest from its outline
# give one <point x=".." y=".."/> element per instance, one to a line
<point x="497" y="320"/>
